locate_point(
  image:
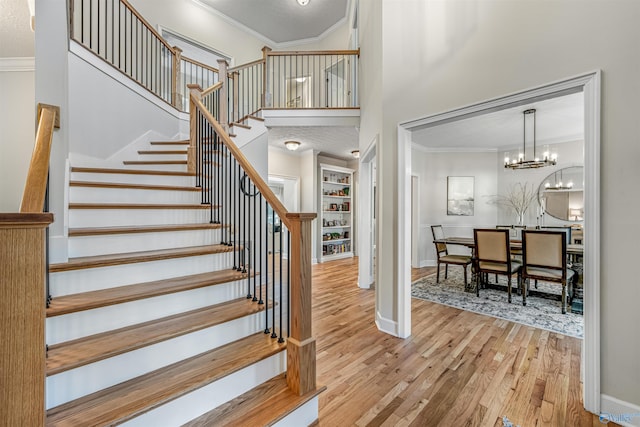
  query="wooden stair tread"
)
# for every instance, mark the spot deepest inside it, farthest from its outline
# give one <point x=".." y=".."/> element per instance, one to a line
<point x="131" y="171"/>
<point x="97" y="184"/>
<point x="131" y="398"/>
<point x="104" y="297"/>
<point x="182" y="142"/>
<point x="138" y="206"/>
<point x="97" y="231"/>
<point x="263" y="405"/>
<point x="144" y="152"/>
<point x="240" y="125"/>
<point x="135" y="257"/>
<point x="72" y="354"/>
<point x="154" y="162"/>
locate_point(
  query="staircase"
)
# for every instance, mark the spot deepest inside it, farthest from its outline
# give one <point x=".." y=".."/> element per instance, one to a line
<point x="149" y="324"/>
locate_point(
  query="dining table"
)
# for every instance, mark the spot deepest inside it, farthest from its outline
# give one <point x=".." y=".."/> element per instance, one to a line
<point x="573" y="250"/>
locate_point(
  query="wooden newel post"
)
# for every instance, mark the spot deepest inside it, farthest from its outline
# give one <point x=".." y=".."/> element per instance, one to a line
<point x="266" y="98"/>
<point x="301" y="346"/>
<point x="22" y="317"/>
<point x="195" y="91"/>
<point x="223" y="65"/>
<point x="176" y="95"/>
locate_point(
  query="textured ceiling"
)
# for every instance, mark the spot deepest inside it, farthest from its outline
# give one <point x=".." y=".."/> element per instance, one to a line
<point x="282" y="21"/>
<point x="16" y="38"/>
<point x="558" y="119"/>
<point x="334" y="141"/>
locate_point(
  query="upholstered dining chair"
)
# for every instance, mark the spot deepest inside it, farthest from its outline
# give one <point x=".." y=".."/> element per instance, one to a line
<point x="544" y="257"/>
<point x="493" y="255"/>
<point x="445" y="258"/>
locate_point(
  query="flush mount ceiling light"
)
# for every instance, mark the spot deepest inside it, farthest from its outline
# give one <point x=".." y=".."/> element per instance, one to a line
<point x="356" y="154"/>
<point x="303" y="2"/>
<point x="537" y="162"/>
<point x="292" y="145"/>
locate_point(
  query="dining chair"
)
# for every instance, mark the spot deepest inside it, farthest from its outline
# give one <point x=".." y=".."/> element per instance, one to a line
<point x="544" y="258"/>
<point x="444" y="257"/>
<point x="493" y="255"/>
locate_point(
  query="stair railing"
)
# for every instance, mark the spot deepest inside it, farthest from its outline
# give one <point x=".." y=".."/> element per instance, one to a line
<point x="270" y="245"/>
<point x="246" y="88"/>
<point x="311" y="80"/>
<point x="24" y="266"/>
<point x="117" y="33"/>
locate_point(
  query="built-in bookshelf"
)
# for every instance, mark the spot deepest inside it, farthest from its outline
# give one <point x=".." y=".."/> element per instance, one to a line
<point x="336" y="212"/>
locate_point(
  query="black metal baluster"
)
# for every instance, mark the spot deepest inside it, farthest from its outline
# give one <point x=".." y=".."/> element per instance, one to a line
<point x="266" y="270"/>
<point x="261" y="266"/>
<point x="253" y="243"/>
<point x="280" y="339"/>
<point x="246" y="222"/>
<point x="247" y="234"/>
<point x="273" y="273"/>
<point x="288" y="283"/>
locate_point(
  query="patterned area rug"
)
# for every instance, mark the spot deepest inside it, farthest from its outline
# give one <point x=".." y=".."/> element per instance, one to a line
<point x="543" y="309"/>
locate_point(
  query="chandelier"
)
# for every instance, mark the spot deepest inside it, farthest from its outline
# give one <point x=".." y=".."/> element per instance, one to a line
<point x="558" y="185"/>
<point x="536" y="162"/>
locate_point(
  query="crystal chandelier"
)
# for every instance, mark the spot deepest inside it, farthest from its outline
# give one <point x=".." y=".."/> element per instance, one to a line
<point x="536" y="162"/>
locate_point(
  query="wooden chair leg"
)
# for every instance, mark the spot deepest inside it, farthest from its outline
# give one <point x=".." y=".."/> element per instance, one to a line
<point x="523" y="284"/>
<point x="564" y="298"/>
<point x="509" y="289"/>
<point x="438" y="274"/>
<point x="465" y="275"/>
<point x="446" y="271"/>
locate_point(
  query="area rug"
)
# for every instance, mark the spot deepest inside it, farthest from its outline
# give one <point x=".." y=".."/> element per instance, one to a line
<point x="543" y="309"/>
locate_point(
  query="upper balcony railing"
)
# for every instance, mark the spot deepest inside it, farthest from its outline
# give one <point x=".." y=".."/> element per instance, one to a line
<point x="117" y="33"/>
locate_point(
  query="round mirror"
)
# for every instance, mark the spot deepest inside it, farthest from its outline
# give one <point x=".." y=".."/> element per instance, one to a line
<point x="561" y="194"/>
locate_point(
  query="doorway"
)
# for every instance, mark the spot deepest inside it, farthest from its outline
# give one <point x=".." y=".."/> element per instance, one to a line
<point x="589" y="84"/>
<point x="367" y="224"/>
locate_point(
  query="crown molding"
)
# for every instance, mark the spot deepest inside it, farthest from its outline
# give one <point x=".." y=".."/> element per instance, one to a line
<point x="17" y="64"/>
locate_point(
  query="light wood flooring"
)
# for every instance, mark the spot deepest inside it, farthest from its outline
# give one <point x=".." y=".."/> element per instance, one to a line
<point x="457" y="369"/>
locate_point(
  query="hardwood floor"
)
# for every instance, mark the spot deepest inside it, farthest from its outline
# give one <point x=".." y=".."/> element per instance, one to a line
<point x="457" y="369"/>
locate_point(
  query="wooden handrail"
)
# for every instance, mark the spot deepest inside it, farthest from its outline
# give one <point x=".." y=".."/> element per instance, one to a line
<point x="208" y="90"/>
<point x="36" y="186"/>
<point x="199" y="64"/>
<point x="148" y="25"/>
<point x="243" y="66"/>
<point x="255" y="177"/>
<point x="313" y="52"/>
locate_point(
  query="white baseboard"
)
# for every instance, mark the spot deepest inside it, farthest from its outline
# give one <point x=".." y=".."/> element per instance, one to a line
<point x="427" y="263"/>
<point x="618" y="411"/>
<point x="387" y="325"/>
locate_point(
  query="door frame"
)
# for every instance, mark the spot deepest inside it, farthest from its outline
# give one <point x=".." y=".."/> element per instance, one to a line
<point x="366" y="226"/>
<point x="590" y="84"/>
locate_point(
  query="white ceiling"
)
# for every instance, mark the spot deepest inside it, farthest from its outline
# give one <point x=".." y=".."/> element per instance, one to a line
<point x="282" y="21"/>
<point x="557" y="120"/>
<point x="335" y="141"/>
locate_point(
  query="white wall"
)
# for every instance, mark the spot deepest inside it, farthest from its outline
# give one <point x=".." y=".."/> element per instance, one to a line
<point x="17" y="134"/>
<point x="494" y="48"/>
<point x="199" y="23"/>
<point x="105" y="115"/>
<point x="432" y="170"/>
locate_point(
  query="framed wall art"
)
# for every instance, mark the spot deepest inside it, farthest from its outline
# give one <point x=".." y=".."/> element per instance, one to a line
<point x="460" y="195"/>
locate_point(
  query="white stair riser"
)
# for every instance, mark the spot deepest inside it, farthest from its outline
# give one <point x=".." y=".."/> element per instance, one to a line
<point x="181" y="410"/>
<point x="84" y="323"/>
<point x="125" y="178"/>
<point x="120" y="217"/>
<point x="153" y="167"/>
<point x="121" y="243"/>
<point x="161" y="157"/>
<point x="131" y="195"/>
<point x="88" y="379"/>
<point x="305" y="415"/>
<point x="92" y="279"/>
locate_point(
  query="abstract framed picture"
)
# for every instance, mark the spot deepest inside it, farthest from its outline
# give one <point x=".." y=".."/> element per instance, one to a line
<point x="460" y="195"/>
